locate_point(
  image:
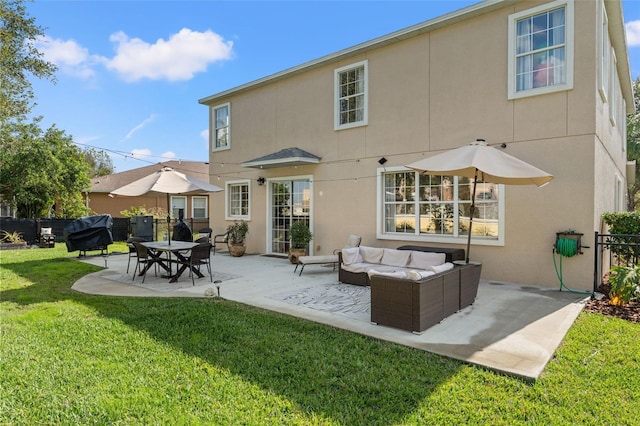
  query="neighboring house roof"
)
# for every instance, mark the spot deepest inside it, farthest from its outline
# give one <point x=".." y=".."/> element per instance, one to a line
<point x="614" y="13"/>
<point x="195" y="169"/>
<point x="284" y="157"/>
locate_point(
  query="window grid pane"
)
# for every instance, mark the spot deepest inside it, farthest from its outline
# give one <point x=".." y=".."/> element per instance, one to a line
<point x="540" y="50"/>
<point x="351" y="95"/>
<point x="239" y="199"/>
<point x="443" y="204"/>
<point x="221" y="130"/>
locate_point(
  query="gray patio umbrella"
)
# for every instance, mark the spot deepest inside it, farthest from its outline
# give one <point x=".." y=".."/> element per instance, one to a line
<point x="478" y="161"/>
<point x="166" y="181"/>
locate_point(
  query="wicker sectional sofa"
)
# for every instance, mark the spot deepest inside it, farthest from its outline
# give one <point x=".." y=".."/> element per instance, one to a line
<point x="415" y="305"/>
<point x="411" y="289"/>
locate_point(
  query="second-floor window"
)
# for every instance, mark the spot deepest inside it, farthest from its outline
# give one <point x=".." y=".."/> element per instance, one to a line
<point x="351" y="96"/>
<point x="221" y="127"/>
<point x="541" y="48"/>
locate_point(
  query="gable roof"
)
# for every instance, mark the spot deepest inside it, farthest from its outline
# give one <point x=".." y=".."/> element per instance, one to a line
<point x="284" y="157"/>
<point x="194" y="169"/>
<point x="614" y="12"/>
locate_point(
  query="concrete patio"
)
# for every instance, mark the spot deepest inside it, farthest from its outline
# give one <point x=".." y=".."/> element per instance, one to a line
<point x="510" y="328"/>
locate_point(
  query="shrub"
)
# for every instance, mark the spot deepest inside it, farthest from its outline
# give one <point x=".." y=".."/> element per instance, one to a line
<point x="627" y="225"/>
<point x="625" y="284"/>
<point x="11" y="237"/>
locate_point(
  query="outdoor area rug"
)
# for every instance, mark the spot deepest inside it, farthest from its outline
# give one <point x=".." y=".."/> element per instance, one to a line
<point x="350" y="300"/>
<point x="163" y="284"/>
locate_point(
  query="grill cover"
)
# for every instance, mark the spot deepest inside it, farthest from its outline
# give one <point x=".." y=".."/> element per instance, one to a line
<point x="89" y="233"/>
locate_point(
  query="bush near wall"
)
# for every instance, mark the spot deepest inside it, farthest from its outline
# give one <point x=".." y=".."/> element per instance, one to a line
<point x="624" y="228"/>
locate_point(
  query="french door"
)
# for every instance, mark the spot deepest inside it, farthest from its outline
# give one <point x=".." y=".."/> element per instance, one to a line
<point x="289" y="202"/>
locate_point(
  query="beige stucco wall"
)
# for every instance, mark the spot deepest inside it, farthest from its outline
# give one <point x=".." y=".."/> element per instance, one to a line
<point x="433" y="92"/>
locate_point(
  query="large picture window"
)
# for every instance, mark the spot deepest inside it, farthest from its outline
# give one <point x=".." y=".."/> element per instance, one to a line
<point x="415" y="206"/>
<point x="541" y="50"/>
<point x="351" y="95"/>
<point x="238" y="200"/>
<point x="221" y="127"/>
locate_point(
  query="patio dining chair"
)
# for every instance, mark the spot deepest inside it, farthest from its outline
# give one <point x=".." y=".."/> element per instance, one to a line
<point x="143" y="260"/>
<point x="200" y="256"/>
<point x="132" y="249"/>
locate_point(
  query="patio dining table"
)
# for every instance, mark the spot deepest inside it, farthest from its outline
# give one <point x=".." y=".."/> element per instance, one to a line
<point x="179" y="249"/>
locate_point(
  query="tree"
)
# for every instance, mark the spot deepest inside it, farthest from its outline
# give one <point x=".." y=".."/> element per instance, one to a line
<point x="39" y="171"/>
<point x="633" y="149"/>
<point x="100" y="163"/>
<point x="19" y="58"/>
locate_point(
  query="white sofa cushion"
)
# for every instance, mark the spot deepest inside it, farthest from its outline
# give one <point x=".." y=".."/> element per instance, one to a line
<point x="394" y="257"/>
<point x="351" y="255"/>
<point x="441" y="268"/>
<point x="422" y="260"/>
<point x="393" y="274"/>
<point x="418" y="275"/>
<point x="357" y="267"/>
<point x="371" y="254"/>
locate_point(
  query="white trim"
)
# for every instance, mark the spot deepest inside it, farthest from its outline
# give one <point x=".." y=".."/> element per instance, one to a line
<point x="213" y="137"/>
<point x="603" y="51"/>
<point x="336" y="96"/>
<point x="613" y="88"/>
<point x="569" y="50"/>
<point x="227" y="204"/>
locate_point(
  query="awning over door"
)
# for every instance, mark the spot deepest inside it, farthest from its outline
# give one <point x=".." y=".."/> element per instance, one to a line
<point x="283" y="158"/>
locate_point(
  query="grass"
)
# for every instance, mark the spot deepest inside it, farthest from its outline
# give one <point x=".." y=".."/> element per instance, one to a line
<point x="72" y="358"/>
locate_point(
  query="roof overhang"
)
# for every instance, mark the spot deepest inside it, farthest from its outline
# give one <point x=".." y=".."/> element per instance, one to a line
<point x="283" y="158"/>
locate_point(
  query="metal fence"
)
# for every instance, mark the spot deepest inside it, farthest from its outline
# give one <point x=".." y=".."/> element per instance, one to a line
<point x="30" y="228"/>
<point x="614" y="249"/>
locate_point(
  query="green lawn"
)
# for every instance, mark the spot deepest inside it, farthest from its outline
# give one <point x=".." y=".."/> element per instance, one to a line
<point x="71" y="358"/>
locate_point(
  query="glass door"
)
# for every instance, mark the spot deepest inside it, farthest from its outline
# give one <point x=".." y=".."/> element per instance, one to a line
<point x="290" y="202"/>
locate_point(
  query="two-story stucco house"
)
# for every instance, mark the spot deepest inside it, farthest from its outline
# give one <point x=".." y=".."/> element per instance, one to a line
<point x="327" y="141"/>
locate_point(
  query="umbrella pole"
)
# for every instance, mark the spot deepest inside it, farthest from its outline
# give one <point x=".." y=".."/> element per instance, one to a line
<point x="168" y="218"/>
<point x="473" y="207"/>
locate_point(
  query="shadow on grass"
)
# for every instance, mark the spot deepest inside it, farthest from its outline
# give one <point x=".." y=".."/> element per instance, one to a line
<point x="349" y="378"/>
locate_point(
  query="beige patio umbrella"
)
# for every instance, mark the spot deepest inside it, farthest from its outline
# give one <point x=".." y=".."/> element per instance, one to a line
<point x="166" y="181"/>
<point x="479" y="161"/>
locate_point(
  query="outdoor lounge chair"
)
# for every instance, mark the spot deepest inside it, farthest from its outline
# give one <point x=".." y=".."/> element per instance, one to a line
<point x="352" y="241"/>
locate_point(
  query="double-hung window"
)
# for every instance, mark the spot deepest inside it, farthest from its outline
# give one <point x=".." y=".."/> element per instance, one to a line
<point x="420" y="207"/>
<point x="351" y="88"/>
<point x="238" y="200"/>
<point x="199" y="207"/>
<point x="541" y="50"/>
<point x="221" y="122"/>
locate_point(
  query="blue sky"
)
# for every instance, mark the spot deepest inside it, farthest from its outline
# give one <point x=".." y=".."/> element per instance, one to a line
<point x="131" y="72"/>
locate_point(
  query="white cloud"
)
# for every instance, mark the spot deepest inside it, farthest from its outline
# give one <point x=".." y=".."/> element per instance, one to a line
<point x="168" y="156"/>
<point x="175" y="59"/>
<point x="139" y="127"/>
<point x="140" y="153"/>
<point x="70" y="57"/>
<point x="633" y="33"/>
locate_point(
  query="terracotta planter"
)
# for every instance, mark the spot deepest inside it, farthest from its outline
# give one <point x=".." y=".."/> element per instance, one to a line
<point x="236" y="250"/>
<point x="295" y="253"/>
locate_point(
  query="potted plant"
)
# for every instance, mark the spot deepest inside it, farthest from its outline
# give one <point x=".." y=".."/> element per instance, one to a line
<point x="300" y="235"/>
<point x="237" y="234"/>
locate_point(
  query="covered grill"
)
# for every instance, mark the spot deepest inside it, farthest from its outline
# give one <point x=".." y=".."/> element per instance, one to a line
<point x="89" y="233"/>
